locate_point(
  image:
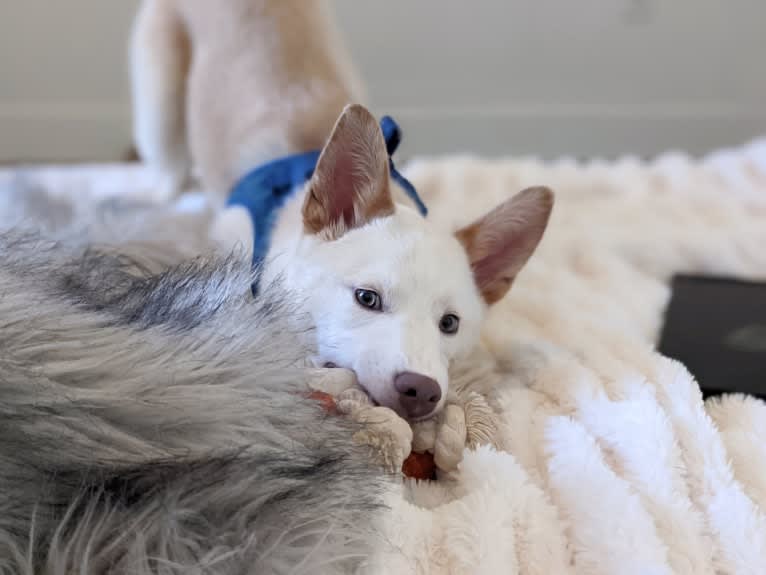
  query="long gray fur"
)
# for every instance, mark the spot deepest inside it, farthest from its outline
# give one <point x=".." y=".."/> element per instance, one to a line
<point x="154" y="423"/>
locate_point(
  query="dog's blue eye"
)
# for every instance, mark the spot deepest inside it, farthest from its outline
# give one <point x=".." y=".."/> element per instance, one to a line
<point x="368" y="299"/>
<point x="449" y="323"/>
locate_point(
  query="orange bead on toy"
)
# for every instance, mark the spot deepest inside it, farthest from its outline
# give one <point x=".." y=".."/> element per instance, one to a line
<point x="325" y="399"/>
<point x="420" y="466"/>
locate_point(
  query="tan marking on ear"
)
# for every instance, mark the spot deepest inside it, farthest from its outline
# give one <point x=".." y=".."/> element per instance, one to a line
<point x="500" y="243"/>
<point x="492" y="289"/>
<point x="350" y="186"/>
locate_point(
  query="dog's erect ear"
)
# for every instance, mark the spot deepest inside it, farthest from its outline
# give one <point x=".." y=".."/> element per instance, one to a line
<point x="501" y="242"/>
<point x="350" y="185"/>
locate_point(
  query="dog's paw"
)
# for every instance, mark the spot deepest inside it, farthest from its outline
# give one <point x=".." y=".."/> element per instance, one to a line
<point x="388" y="435"/>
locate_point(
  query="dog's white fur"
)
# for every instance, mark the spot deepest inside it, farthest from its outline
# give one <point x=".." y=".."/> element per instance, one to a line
<point x="264" y="81"/>
<point x="362" y="239"/>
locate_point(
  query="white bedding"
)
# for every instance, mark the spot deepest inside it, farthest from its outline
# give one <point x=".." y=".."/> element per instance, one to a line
<point x="612" y="462"/>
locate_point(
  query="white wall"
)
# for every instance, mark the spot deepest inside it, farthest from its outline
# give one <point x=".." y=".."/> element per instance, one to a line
<point x="554" y="76"/>
<point x="489" y="76"/>
<point x="63" y="79"/>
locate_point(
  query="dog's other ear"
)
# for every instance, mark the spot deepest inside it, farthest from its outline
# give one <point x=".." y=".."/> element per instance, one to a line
<point x="350" y="185"/>
<point x="501" y="242"/>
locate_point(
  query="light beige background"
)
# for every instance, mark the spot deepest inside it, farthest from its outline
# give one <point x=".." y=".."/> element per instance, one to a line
<point x="488" y="76"/>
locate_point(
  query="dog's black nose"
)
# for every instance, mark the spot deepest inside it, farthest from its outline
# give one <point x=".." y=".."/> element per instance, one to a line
<point x="418" y="394"/>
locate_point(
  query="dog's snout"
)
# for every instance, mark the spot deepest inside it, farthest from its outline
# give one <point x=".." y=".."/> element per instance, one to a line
<point x="418" y="394"/>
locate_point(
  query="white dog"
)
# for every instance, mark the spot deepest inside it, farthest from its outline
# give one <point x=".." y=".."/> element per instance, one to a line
<point x="390" y="296"/>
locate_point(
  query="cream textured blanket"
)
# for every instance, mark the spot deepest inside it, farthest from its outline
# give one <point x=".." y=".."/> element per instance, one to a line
<point x="611" y="462"/>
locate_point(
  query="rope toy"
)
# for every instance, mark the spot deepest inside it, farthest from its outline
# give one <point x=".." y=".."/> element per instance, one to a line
<point x="421" y="450"/>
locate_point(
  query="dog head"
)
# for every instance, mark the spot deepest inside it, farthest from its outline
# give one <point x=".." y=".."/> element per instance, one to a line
<point x="392" y="297"/>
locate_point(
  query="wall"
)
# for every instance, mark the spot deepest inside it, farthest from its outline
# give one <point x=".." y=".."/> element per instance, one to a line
<point x="586" y="77"/>
<point x="492" y="76"/>
<point x="63" y="79"/>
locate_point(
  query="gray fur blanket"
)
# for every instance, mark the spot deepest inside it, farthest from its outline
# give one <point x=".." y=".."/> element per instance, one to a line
<point x="157" y="424"/>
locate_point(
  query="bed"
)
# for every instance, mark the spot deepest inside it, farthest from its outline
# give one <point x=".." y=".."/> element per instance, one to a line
<point x="611" y="462"/>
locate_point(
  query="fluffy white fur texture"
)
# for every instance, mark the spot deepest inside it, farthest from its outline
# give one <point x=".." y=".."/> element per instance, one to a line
<point x="612" y="461"/>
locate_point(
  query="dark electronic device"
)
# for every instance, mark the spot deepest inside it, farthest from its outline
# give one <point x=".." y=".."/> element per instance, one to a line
<point x="717" y="327"/>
